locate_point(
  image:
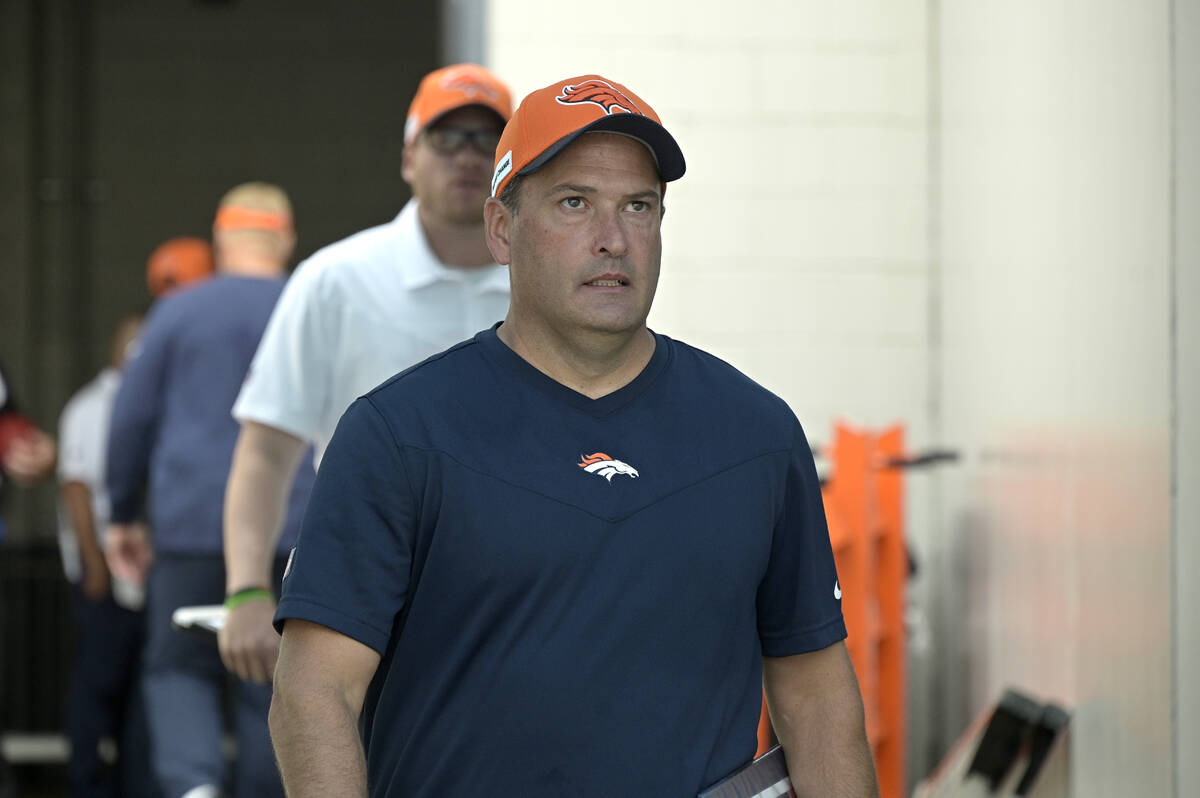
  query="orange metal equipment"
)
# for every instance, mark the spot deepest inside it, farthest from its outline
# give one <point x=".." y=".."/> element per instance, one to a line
<point x="891" y="579"/>
<point x="864" y="508"/>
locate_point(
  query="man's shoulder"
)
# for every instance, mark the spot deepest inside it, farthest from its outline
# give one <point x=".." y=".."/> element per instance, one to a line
<point x="723" y="382"/>
<point x="212" y="290"/>
<point x="100" y="388"/>
<point x="93" y="399"/>
<point x="437" y="377"/>
<point x="222" y="296"/>
<point x="79" y="403"/>
<point x="366" y="249"/>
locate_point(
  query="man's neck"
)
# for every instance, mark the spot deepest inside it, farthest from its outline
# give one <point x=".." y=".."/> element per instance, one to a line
<point x="593" y="364"/>
<point x="250" y="265"/>
<point x="455" y="245"/>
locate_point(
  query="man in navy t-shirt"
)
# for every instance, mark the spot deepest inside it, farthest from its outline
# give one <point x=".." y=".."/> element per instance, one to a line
<point x="563" y="558"/>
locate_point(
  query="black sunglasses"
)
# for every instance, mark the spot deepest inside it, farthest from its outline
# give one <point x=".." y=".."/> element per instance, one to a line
<point x="451" y="140"/>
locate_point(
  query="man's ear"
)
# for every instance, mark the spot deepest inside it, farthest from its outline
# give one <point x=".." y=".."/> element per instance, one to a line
<point x="287" y="244"/>
<point x="497" y="230"/>
<point x="406" y="157"/>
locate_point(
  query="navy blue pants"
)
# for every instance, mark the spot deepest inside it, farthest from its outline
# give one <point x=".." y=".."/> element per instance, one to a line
<point x="103" y="701"/>
<point x="190" y="696"/>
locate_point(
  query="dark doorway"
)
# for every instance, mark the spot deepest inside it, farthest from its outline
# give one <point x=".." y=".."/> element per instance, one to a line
<point x="190" y="98"/>
<point x="121" y="124"/>
<point x="123" y="121"/>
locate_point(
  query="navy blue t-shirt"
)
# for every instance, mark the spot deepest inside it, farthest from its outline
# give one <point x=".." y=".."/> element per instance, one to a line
<point x="172" y="435"/>
<point x="571" y="596"/>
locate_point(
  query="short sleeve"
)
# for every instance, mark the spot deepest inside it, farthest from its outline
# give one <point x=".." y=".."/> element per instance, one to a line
<point x="351" y="565"/>
<point x="799" y="606"/>
<point x="77" y="452"/>
<point x="290" y="376"/>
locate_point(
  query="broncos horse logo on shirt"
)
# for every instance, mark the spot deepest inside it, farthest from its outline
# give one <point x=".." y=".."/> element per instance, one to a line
<point x="598" y="92"/>
<point x="602" y="465"/>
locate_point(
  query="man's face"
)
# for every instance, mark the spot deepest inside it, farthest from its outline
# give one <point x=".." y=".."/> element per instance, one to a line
<point x="585" y="243"/>
<point x="449" y="165"/>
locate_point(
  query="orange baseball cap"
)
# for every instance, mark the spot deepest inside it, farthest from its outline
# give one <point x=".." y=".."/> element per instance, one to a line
<point x="177" y="262"/>
<point x="453" y="87"/>
<point x="551" y="118"/>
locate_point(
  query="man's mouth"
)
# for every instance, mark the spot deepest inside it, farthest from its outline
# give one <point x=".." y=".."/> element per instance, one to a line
<point x="608" y="281"/>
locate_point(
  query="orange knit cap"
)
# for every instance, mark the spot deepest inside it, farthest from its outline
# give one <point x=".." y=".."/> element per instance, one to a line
<point x="177" y="262"/>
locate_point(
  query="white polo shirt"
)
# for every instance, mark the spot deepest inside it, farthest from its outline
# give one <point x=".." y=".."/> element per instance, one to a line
<point x="82" y="446"/>
<point x="354" y="314"/>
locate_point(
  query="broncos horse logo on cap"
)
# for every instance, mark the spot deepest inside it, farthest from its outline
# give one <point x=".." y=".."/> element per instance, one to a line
<point x="466" y="82"/>
<point x="598" y="92"/>
<point x="602" y="465"/>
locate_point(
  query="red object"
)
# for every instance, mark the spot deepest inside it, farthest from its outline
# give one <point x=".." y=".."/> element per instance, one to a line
<point x="14" y="426"/>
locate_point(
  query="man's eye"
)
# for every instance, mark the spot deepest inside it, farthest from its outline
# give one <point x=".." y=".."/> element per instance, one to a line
<point x="639" y="206"/>
<point x="573" y="202"/>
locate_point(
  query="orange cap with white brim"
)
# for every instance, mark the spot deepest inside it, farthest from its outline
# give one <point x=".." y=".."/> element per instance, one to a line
<point x="177" y="262"/>
<point x="453" y="87"/>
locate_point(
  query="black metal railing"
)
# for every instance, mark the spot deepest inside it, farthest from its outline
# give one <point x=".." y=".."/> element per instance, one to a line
<point x="36" y="638"/>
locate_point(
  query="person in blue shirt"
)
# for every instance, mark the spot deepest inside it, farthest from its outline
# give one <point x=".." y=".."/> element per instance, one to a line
<point x="564" y="558"/>
<point x="170" y="445"/>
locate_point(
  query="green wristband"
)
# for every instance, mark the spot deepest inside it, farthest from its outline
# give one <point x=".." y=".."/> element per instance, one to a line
<point x="235" y="600"/>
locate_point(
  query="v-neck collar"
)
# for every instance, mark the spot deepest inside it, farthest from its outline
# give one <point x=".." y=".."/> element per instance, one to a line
<point x="528" y="374"/>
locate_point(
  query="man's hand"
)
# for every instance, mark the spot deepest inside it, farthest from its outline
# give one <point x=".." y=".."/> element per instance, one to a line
<point x="75" y="498"/>
<point x="96" y="583"/>
<point x="30" y="458"/>
<point x="128" y="552"/>
<point x="260" y="480"/>
<point x="248" y="643"/>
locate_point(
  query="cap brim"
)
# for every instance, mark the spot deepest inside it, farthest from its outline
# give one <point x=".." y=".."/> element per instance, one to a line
<point x="484" y="106"/>
<point x="410" y="137"/>
<point x="671" y="165"/>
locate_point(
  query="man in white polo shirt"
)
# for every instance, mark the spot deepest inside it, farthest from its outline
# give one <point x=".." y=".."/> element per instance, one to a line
<point x="354" y="314"/>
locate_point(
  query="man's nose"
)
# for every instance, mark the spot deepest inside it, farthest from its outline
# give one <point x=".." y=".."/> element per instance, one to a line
<point x="470" y="155"/>
<point x="612" y="239"/>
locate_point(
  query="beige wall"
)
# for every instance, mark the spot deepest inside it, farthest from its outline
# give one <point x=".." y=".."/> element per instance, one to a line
<point x="1186" y="52"/>
<point x="1057" y="222"/>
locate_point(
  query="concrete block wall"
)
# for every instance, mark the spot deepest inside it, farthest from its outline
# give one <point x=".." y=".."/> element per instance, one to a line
<point x="795" y="246"/>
